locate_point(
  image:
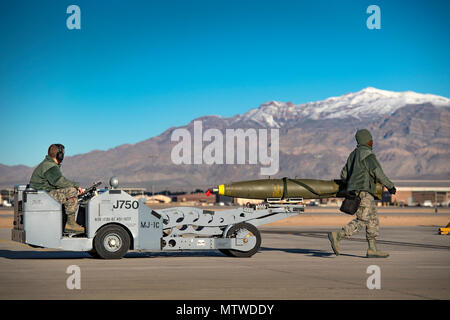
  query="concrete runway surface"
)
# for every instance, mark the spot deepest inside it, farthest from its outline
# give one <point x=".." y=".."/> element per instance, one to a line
<point x="293" y="263"/>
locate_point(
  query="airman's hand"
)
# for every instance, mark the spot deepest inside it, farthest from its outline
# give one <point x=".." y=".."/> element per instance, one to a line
<point x="80" y="190"/>
<point x="392" y="190"/>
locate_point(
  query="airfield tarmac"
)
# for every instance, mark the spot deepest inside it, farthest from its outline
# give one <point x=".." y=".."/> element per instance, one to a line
<point x="294" y="262"/>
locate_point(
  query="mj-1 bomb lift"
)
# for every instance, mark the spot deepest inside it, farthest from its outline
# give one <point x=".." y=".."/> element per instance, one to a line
<point x="116" y="222"/>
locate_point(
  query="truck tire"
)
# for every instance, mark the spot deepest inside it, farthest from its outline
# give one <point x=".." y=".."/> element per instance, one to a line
<point x="111" y="242"/>
<point x="243" y="228"/>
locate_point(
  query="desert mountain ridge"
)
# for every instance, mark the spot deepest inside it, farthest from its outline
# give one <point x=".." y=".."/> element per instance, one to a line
<point x="411" y="140"/>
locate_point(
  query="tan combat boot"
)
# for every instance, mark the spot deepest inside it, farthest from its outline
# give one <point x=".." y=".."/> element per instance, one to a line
<point x="372" y="252"/>
<point x="334" y="238"/>
<point x="71" y="225"/>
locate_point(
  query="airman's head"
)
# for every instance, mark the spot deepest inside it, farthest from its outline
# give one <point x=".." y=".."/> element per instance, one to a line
<point x="364" y="137"/>
<point x="56" y="152"/>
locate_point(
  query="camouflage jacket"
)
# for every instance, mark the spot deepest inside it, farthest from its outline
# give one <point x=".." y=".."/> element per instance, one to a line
<point x="362" y="171"/>
<point x="47" y="176"/>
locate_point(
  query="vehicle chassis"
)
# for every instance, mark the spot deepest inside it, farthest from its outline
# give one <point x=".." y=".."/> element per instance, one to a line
<point x="116" y="222"/>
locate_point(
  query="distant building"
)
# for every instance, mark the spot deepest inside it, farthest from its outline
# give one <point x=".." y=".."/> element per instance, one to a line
<point x="243" y="201"/>
<point x="6" y="195"/>
<point x="413" y="196"/>
<point x="225" y="199"/>
<point x="134" y="191"/>
<point x="196" y="197"/>
<point x="158" y="198"/>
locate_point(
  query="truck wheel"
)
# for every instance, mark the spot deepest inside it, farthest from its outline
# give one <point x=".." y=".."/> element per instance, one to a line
<point x="111" y="242"/>
<point x="243" y="230"/>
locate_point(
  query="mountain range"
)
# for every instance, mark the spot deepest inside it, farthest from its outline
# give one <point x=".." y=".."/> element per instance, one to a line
<point x="411" y="140"/>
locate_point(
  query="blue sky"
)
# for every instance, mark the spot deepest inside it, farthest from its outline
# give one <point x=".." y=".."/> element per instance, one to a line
<point x="137" y="68"/>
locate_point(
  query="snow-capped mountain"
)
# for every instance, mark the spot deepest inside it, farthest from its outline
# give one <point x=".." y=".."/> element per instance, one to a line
<point x="368" y="103"/>
<point x="411" y="140"/>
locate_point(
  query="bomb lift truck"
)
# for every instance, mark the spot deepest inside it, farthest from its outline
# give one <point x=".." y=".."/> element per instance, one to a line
<point x="116" y="222"/>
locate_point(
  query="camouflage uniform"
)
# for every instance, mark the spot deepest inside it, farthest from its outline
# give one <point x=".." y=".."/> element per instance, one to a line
<point x="67" y="197"/>
<point x="47" y="176"/>
<point x="361" y="173"/>
<point x="366" y="216"/>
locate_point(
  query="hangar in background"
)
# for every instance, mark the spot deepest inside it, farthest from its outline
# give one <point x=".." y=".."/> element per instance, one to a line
<point x="422" y="192"/>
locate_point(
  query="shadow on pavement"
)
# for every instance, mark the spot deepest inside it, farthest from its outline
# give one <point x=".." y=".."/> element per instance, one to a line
<point x="59" y="255"/>
<point x="208" y="253"/>
<point x="324" y="235"/>
<point x="313" y="253"/>
<point x="25" y="254"/>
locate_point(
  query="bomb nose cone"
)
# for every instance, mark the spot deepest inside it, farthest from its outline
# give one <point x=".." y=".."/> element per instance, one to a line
<point x="210" y="191"/>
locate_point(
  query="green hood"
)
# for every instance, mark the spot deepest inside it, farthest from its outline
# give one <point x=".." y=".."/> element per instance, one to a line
<point x="363" y="136"/>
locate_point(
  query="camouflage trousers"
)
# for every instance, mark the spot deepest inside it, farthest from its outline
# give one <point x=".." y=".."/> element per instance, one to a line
<point x="366" y="216"/>
<point x="67" y="197"/>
